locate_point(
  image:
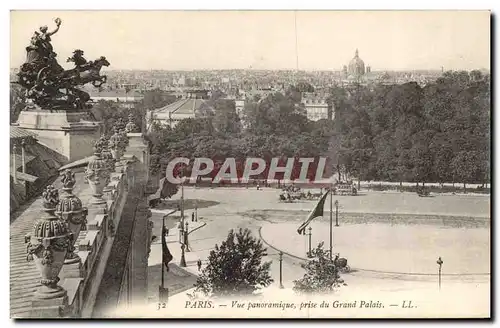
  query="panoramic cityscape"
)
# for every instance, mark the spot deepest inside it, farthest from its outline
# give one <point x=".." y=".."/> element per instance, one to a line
<point x="250" y="164"/>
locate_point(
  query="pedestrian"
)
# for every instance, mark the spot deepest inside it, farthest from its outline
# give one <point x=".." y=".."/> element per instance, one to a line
<point x="192" y="217"/>
<point x="199" y="265"/>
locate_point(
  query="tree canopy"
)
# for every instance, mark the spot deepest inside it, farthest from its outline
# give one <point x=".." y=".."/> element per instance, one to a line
<point x="235" y="267"/>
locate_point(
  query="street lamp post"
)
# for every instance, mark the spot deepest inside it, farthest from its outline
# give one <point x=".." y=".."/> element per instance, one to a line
<point x="163" y="292"/>
<point x="186" y="233"/>
<point x="331" y="221"/>
<point x="183" y="259"/>
<point x="196" y="211"/>
<point x="181" y="232"/>
<point x="281" y="270"/>
<point x="440" y="263"/>
<point x="336" y="213"/>
<point x="309" y="254"/>
<point x="182" y="197"/>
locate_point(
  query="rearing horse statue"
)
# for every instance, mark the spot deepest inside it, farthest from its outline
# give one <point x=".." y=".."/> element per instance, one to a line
<point x="46" y="82"/>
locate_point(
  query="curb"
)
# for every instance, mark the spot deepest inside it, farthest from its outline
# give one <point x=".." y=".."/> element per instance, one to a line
<point x="377" y="271"/>
<point x="204" y="224"/>
<point x="279" y="250"/>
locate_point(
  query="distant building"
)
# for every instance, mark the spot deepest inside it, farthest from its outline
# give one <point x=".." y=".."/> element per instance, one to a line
<point x="193" y="104"/>
<point x="125" y="99"/>
<point x="316" y="107"/>
<point x="239" y="105"/>
<point x="356" y="66"/>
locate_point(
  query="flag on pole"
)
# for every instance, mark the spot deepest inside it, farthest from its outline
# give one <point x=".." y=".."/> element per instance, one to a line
<point x="317" y="211"/>
<point x="166" y="255"/>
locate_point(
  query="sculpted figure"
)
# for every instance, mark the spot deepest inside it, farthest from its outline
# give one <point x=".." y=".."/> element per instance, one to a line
<point x="47" y="84"/>
<point x="45" y="37"/>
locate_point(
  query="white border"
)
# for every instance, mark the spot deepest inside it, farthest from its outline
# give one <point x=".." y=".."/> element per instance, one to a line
<point x="178" y="5"/>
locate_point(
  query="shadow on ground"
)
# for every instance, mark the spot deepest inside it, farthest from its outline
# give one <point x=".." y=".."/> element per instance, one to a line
<point x="443" y="221"/>
<point x="177" y="281"/>
<point x="189" y="204"/>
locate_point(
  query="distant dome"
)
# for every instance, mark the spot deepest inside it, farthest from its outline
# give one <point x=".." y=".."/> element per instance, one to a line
<point x="356" y="65"/>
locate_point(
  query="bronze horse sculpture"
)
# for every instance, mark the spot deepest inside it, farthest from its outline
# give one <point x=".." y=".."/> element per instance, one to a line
<point x="80" y="75"/>
<point x="47" y="84"/>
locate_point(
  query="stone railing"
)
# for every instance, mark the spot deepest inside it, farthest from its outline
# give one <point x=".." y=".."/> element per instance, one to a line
<point x="81" y="279"/>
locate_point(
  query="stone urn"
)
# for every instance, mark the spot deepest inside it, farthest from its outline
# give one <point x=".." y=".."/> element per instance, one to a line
<point x="131" y="127"/>
<point x="97" y="175"/>
<point x="125" y="140"/>
<point x="48" y="245"/>
<point x="71" y="211"/>
<point x="116" y="145"/>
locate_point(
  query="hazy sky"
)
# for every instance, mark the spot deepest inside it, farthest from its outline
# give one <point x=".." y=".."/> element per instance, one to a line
<point x="263" y="39"/>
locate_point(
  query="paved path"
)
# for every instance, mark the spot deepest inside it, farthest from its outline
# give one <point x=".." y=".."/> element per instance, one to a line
<point x="385" y="248"/>
<point x="241" y="200"/>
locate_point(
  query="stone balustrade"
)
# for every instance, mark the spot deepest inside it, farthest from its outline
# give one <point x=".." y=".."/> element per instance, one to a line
<point x="84" y="281"/>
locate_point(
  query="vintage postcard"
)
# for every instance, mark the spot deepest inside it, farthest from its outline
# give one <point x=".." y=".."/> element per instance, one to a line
<point x="250" y="164"/>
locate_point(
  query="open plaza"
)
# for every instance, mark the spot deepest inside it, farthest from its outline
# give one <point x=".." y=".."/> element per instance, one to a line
<point x="391" y="239"/>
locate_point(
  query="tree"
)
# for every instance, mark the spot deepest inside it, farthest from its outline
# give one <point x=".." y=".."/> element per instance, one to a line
<point x="109" y="113"/>
<point x="168" y="189"/>
<point x="468" y="167"/>
<point x="154" y="99"/>
<point x="225" y="119"/>
<point x="235" y="267"/>
<point x="322" y="276"/>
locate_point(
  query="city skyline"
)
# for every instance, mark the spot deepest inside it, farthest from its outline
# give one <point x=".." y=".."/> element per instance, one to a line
<point x="264" y="40"/>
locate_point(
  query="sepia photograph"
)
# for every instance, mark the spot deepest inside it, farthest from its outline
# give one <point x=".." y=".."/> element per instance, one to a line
<point x="250" y="164"/>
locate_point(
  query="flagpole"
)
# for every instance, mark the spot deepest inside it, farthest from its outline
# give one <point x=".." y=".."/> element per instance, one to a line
<point x="163" y="292"/>
<point x="331" y="221"/>
<point x="163" y="255"/>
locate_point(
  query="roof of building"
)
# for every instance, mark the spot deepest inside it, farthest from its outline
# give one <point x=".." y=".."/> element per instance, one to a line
<point x="19" y="160"/>
<point x="78" y="163"/>
<point x="25" y="176"/>
<point x="18" y="133"/>
<point x="185" y="106"/>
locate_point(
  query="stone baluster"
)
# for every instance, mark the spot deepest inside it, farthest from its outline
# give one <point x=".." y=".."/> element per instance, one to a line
<point x="107" y="156"/>
<point x="47" y="247"/>
<point x="116" y="145"/>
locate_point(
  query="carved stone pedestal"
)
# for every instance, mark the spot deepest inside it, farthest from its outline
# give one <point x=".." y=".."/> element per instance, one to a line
<point x="69" y="133"/>
<point x="49" y="308"/>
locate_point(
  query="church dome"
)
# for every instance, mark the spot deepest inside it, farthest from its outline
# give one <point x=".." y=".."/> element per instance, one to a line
<point x="356" y="65"/>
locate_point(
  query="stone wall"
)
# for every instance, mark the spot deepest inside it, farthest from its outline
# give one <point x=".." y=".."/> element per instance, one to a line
<point x="114" y="248"/>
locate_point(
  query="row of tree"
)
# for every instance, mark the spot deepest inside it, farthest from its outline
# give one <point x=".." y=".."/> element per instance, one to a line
<point x="436" y="133"/>
<point x="237" y="268"/>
